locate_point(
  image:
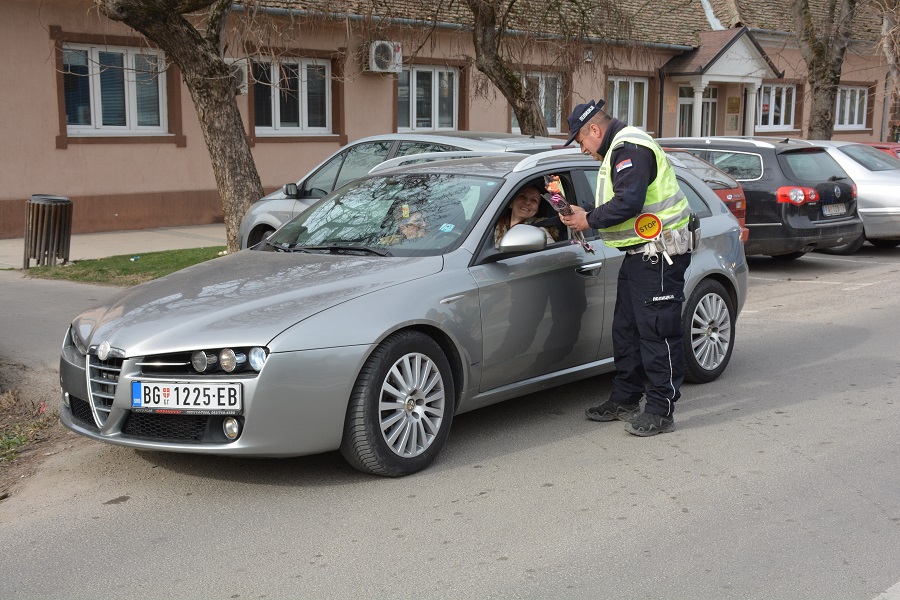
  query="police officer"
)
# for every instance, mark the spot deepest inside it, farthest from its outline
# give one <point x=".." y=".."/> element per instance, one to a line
<point x="635" y="179"/>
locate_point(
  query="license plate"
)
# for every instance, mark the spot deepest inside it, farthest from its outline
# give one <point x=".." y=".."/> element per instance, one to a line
<point x="834" y="210"/>
<point x="186" y="398"/>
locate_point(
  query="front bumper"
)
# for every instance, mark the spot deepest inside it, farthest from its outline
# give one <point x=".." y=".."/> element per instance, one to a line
<point x="295" y="406"/>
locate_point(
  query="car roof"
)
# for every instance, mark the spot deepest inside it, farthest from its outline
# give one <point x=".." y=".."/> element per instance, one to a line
<point x="471" y="140"/>
<point x="748" y="143"/>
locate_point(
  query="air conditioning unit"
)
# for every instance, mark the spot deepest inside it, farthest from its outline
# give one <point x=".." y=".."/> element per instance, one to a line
<point x="238" y="68"/>
<point x="385" y="57"/>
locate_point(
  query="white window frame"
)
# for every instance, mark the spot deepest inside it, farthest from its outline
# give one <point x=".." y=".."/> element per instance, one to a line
<point x="435" y="71"/>
<point x="612" y="100"/>
<point x="131" y="127"/>
<point x="541" y="76"/>
<point x="277" y="128"/>
<point x="846" y="105"/>
<point x="780" y="90"/>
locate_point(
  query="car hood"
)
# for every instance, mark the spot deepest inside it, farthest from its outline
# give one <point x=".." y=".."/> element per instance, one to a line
<point x="245" y="299"/>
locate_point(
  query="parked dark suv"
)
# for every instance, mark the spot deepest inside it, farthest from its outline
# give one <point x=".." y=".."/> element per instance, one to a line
<point x="798" y="197"/>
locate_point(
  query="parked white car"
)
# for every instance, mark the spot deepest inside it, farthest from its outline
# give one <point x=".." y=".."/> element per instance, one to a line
<point x="877" y="178"/>
<point x="356" y="159"/>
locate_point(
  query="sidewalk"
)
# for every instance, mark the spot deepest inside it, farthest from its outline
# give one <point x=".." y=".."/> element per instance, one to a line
<point x="113" y="243"/>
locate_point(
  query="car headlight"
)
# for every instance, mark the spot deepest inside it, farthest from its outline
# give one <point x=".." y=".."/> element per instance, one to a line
<point x="230" y="360"/>
<point x="77" y="342"/>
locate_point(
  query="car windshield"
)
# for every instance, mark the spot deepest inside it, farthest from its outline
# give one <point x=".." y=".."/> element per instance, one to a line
<point x="410" y="214"/>
<point x="871" y="158"/>
<point x="812" y="165"/>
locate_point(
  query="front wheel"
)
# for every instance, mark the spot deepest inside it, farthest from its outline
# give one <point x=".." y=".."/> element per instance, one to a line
<point x="708" y="332"/>
<point x="401" y="407"/>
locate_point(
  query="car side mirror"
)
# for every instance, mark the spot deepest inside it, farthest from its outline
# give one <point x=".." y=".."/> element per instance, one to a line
<point x="290" y="190"/>
<point x="523" y="238"/>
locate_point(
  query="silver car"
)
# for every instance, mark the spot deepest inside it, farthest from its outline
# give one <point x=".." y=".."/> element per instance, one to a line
<point x="877" y="178"/>
<point x="377" y="315"/>
<point x="356" y="159"/>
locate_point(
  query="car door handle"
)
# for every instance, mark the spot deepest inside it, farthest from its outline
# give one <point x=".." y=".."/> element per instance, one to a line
<point x="590" y="269"/>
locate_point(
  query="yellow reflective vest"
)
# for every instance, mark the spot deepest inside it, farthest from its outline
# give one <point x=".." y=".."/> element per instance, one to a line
<point x="664" y="198"/>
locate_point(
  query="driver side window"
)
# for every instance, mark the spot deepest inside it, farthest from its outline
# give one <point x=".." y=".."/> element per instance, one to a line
<point x="530" y="204"/>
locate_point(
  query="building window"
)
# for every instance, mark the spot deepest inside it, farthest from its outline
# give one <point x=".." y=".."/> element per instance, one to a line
<point x="850" y="107"/>
<point x="427" y="98"/>
<point x="110" y="91"/>
<point x="775" y="107"/>
<point x="626" y="100"/>
<point x="292" y="97"/>
<point x="548" y="86"/>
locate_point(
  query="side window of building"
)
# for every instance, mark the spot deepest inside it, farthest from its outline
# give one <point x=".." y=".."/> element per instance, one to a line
<point x="775" y="107"/>
<point x="427" y="98"/>
<point x="111" y="90"/>
<point x="292" y="97"/>
<point x="548" y="86"/>
<point x="851" y="106"/>
<point x="627" y="100"/>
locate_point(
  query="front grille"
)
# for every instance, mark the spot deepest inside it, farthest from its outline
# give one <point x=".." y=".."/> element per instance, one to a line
<point x="103" y="377"/>
<point x="166" y="427"/>
<point x="81" y="410"/>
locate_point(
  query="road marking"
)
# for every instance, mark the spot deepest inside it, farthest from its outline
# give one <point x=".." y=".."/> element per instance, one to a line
<point x="853" y="286"/>
<point x="892" y="593"/>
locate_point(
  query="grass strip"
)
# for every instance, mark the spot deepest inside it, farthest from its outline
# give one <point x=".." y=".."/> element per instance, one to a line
<point x="128" y="269"/>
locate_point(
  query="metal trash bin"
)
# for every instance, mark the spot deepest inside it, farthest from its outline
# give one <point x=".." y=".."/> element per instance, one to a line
<point x="48" y="229"/>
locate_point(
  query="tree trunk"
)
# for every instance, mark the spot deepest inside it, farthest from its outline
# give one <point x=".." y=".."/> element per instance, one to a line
<point x="211" y="86"/>
<point x="890" y="29"/>
<point x="524" y="99"/>
<point x="823" y="50"/>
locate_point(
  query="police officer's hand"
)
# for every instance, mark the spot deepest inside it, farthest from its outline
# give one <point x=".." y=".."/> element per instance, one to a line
<point x="577" y="221"/>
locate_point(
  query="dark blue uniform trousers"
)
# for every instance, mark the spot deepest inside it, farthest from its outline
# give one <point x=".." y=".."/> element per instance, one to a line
<point x="647" y="332"/>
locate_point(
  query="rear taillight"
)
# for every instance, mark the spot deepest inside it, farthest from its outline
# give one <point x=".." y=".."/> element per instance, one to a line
<point x="738" y="208"/>
<point x="853" y="192"/>
<point x="796" y="194"/>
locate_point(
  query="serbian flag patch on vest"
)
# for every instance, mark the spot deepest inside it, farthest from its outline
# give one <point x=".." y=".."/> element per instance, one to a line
<point x="625" y="164"/>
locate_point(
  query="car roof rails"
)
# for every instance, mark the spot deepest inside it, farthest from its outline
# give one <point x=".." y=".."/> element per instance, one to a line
<point x="435" y="156"/>
<point x="541" y="157"/>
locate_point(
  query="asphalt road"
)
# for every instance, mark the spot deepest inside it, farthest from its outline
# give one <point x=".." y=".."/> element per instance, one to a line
<point x="781" y="482"/>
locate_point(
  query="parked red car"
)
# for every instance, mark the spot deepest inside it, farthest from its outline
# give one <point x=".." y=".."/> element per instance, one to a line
<point x="724" y="185"/>
<point x="891" y="148"/>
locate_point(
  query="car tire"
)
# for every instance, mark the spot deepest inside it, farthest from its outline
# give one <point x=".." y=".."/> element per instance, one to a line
<point x="850" y="247"/>
<point x="789" y="256"/>
<point x="885" y="243"/>
<point x="708" y="332"/>
<point x="401" y="407"/>
<point x="258" y="235"/>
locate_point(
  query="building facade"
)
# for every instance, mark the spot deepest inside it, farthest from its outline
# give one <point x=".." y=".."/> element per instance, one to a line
<point x="93" y="112"/>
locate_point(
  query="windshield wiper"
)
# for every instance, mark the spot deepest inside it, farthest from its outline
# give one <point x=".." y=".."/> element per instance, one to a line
<point x="717" y="181"/>
<point x="339" y="248"/>
<point x="285" y="247"/>
<point x="836" y="178"/>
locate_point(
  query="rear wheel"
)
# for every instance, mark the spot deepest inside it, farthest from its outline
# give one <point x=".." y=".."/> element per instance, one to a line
<point x="708" y="332"/>
<point x="845" y="249"/>
<point x="401" y="407"/>
<point x="885" y="243"/>
<point x="258" y="235"/>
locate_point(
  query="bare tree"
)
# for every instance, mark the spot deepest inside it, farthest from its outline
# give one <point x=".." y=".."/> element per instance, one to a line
<point x="890" y="44"/>
<point x="209" y="81"/>
<point x="823" y="42"/>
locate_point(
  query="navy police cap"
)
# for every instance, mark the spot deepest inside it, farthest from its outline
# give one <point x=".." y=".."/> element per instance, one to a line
<point x="581" y="115"/>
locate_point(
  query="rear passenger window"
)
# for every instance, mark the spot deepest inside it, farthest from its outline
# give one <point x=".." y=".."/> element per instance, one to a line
<point x="698" y="204"/>
<point x="740" y="165"/>
<point x="409" y="148"/>
<point x="810" y="166"/>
